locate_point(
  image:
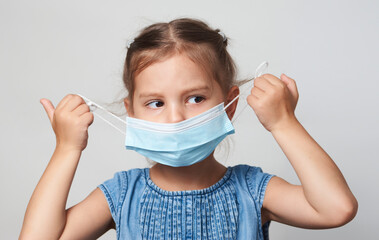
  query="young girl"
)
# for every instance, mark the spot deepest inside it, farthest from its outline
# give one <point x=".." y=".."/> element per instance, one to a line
<point x="179" y="77"/>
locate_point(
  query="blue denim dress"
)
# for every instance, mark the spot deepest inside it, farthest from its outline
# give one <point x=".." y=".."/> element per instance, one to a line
<point x="229" y="209"/>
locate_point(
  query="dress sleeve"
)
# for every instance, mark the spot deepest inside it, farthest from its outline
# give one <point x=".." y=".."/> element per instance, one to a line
<point x="114" y="190"/>
<point x="257" y="182"/>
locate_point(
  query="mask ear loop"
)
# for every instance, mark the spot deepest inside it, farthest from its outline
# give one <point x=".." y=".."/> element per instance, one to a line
<point x="258" y="72"/>
<point x="93" y="106"/>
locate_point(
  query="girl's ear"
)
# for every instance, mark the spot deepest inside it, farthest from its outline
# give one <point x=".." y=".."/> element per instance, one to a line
<point x="233" y="92"/>
<point x="128" y="107"/>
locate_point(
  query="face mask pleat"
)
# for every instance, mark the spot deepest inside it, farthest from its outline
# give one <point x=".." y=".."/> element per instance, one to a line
<point x="180" y="126"/>
<point x="166" y="141"/>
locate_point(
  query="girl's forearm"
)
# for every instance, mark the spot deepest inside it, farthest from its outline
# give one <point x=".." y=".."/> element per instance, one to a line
<point x="45" y="217"/>
<point x="323" y="184"/>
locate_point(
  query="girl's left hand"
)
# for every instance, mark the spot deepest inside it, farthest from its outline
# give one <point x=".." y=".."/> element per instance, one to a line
<point x="274" y="100"/>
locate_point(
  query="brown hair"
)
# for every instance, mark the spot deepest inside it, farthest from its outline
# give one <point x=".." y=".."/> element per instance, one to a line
<point x="203" y="45"/>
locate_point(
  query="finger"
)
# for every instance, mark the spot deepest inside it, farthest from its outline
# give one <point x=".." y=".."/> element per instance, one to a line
<point x="291" y="84"/>
<point x="81" y="109"/>
<point x="272" y="79"/>
<point x="263" y="84"/>
<point x="257" y="92"/>
<point x="251" y="100"/>
<point x="73" y="103"/>
<point x="49" y="108"/>
<point x="63" y="102"/>
<point x="88" y="118"/>
<point x="285" y="79"/>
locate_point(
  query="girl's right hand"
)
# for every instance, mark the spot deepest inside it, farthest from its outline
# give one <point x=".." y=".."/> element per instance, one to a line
<point x="70" y="121"/>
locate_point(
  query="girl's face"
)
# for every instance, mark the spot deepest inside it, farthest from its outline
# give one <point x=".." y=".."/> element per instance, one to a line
<point x="174" y="90"/>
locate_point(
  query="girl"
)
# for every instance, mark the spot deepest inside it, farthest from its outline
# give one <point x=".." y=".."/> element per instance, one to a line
<point x="179" y="76"/>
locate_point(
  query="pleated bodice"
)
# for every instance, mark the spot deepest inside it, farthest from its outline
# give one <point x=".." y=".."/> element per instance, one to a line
<point x="229" y="209"/>
<point x="210" y="213"/>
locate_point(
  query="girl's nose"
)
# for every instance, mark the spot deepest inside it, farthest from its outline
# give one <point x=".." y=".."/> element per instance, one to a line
<point x="175" y="114"/>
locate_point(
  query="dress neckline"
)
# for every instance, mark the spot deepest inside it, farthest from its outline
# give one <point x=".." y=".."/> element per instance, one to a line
<point x="209" y="189"/>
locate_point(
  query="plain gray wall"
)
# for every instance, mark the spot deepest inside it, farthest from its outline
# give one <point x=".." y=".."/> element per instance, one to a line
<point x="52" y="48"/>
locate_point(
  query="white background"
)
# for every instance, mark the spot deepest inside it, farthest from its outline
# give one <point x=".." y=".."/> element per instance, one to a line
<point x="52" y="48"/>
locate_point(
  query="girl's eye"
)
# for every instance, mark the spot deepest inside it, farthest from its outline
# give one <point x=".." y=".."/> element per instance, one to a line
<point x="155" y="104"/>
<point x="196" y="99"/>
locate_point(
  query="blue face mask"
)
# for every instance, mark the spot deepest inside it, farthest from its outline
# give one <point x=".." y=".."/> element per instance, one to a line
<point x="177" y="144"/>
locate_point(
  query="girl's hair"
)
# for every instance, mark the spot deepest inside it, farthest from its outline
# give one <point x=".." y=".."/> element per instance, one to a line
<point x="205" y="46"/>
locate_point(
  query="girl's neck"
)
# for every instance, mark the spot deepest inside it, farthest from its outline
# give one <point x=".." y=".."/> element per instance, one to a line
<point x="197" y="176"/>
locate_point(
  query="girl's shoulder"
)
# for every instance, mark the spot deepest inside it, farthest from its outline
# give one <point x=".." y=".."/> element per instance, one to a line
<point x="117" y="189"/>
<point x="252" y="178"/>
<point x="249" y="172"/>
<point x="122" y="179"/>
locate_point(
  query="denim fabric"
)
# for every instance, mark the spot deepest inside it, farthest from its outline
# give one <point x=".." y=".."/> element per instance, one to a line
<point x="229" y="209"/>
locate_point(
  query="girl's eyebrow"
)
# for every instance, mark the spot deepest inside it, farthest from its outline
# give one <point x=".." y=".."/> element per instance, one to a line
<point x="158" y="94"/>
<point x="198" y="88"/>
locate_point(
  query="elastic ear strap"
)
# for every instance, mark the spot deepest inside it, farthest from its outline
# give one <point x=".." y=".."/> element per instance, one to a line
<point x="258" y="72"/>
<point x="91" y="103"/>
<point x="262" y="67"/>
<point x="109" y="123"/>
<point x="237" y="97"/>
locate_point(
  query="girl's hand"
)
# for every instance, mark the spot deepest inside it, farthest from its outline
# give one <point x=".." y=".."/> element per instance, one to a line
<point x="70" y="121"/>
<point x="274" y="100"/>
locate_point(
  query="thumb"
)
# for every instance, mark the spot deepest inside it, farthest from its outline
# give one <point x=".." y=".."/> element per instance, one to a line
<point x="291" y="84"/>
<point x="49" y="108"/>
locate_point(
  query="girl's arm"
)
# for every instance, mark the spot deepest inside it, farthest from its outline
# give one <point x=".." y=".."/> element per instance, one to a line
<point x="46" y="216"/>
<point x="323" y="199"/>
